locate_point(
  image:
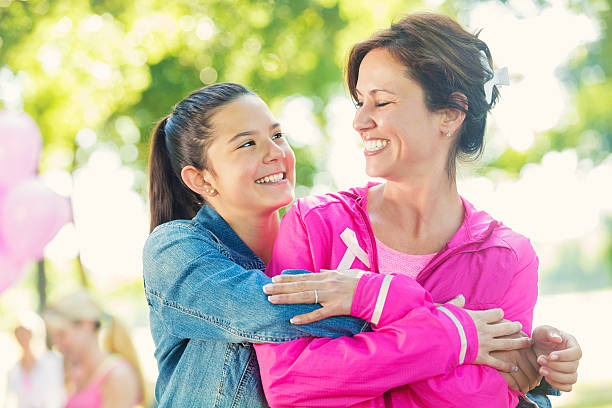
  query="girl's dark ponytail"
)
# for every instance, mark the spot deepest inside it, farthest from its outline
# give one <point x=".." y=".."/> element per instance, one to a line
<point x="181" y="139"/>
<point x="169" y="198"/>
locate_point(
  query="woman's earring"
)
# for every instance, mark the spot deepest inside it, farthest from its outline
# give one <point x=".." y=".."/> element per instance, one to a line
<point x="448" y="133"/>
<point x="210" y="190"/>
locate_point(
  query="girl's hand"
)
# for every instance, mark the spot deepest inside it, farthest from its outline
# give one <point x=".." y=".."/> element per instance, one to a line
<point x="492" y="332"/>
<point x="333" y="290"/>
<point x="558" y="356"/>
<point x="526" y="377"/>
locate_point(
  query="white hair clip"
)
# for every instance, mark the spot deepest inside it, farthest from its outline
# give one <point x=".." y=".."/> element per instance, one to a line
<point x="500" y="77"/>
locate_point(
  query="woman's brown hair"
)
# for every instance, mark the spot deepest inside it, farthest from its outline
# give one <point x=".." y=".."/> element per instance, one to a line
<point x="181" y="139"/>
<point x="445" y="60"/>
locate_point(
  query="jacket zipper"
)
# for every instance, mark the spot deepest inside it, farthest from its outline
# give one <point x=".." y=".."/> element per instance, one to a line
<point x="366" y="220"/>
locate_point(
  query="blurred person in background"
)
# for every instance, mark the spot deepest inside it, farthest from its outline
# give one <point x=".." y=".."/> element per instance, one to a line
<point x="97" y="376"/>
<point x="37" y="379"/>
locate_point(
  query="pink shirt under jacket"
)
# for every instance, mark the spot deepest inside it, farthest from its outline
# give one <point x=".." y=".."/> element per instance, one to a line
<point x="413" y="357"/>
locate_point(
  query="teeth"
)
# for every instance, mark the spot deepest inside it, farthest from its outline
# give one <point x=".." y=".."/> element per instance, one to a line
<point x="275" y="178"/>
<point x="374" y="145"/>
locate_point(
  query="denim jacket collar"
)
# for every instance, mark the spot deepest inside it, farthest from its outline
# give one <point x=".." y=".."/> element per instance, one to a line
<point x="232" y="245"/>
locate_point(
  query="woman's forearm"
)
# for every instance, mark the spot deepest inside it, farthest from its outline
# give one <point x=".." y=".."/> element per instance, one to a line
<point x="340" y="372"/>
<point x="413" y="340"/>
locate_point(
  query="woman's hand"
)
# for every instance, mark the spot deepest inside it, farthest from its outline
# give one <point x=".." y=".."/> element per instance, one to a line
<point x="522" y="372"/>
<point x="492" y="336"/>
<point x="522" y="362"/>
<point x="334" y="290"/>
<point x="558" y="354"/>
<point x="526" y="377"/>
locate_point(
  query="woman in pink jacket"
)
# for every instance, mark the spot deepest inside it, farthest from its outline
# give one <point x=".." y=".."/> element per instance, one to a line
<point x="422" y="90"/>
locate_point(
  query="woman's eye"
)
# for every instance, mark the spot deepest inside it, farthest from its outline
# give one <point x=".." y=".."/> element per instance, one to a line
<point x="381" y="104"/>
<point x="278" y="135"/>
<point x="247" y="144"/>
<point x="358" y="104"/>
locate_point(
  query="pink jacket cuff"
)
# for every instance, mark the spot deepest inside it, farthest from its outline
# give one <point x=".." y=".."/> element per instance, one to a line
<point x="382" y="299"/>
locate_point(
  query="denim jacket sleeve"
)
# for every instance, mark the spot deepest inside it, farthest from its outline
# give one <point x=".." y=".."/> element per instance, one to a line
<point x="196" y="291"/>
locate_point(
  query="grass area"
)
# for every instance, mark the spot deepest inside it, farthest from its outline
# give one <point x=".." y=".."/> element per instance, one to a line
<point x="586" y="396"/>
<point x="579" y="313"/>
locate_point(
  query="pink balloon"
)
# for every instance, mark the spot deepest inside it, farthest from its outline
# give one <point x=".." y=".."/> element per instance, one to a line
<point x="20" y="146"/>
<point x="3" y="246"/>
<point x="10" y="270"/>
<point x="30" y="217"/>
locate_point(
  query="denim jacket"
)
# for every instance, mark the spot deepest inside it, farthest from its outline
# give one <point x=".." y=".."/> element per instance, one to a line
<point x="203" y="285"/>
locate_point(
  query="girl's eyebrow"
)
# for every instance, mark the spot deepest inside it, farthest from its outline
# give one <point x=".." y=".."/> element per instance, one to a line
<point x="242" y="134"/>
<point x="251" y="132"/>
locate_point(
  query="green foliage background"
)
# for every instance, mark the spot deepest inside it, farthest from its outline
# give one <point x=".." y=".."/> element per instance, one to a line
<point x="153" y="57"/>
<point x="124" y="64"/>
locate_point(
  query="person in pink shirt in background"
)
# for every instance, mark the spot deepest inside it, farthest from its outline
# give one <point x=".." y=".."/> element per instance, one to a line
<point x="422" y="90"/>
<point x="99" y="375"/>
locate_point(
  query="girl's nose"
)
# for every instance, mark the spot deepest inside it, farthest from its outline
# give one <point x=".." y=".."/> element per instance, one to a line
<point x="275" y="153"/>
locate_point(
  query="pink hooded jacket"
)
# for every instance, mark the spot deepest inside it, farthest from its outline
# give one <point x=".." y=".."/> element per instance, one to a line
<point x="419" y="354"/>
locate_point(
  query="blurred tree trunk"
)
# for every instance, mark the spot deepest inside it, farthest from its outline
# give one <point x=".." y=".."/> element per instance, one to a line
<point x="41" y="283"/>
<point x="81" y="271"/>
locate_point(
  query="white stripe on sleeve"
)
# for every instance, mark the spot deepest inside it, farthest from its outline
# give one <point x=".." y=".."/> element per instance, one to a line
<point x="380" y="301"/>
<point x="460" y="330"/>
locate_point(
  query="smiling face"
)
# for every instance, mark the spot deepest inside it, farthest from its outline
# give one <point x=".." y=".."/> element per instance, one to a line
<point x="251" y="165"/>
<point x="402" y="137"/>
